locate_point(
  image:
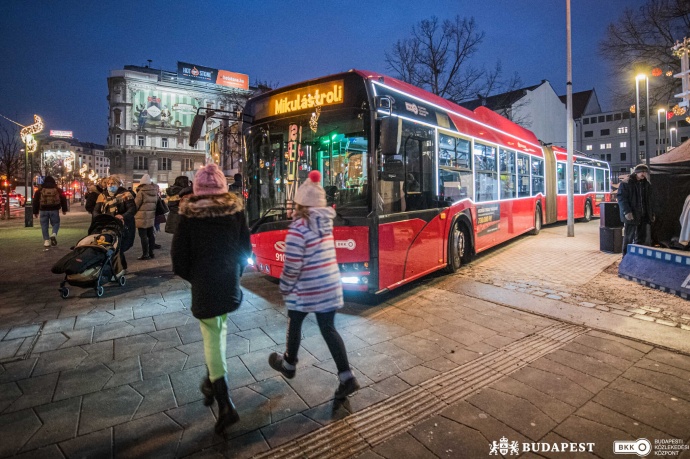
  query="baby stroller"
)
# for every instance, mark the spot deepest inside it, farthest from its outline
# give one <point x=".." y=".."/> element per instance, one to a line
<point x="90" y="263"/>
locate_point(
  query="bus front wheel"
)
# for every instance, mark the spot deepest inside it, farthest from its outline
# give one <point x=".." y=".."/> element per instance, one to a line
<point x="537" y="221"/>
<point x="588" y="212"/>
<point x="458" y="247"/>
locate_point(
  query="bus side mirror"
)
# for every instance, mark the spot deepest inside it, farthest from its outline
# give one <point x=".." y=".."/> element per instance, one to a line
<point x="384" y="106"/>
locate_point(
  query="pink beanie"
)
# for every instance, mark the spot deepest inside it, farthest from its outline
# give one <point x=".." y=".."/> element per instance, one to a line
<point x="311" y="193"/>
<point x="210" y="180"/>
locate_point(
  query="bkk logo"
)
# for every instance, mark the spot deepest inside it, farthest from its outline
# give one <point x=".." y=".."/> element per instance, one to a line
<point x="506" y="447"/>
<point x="348" y="244"/>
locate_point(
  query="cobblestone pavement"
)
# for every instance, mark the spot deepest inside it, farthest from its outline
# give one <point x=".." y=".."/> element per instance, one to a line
<point x="449" y="366"/>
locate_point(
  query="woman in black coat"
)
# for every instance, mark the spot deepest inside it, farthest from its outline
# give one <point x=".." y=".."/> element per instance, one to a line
<point x="175" y="193"/>
<point x="209" y="249"/>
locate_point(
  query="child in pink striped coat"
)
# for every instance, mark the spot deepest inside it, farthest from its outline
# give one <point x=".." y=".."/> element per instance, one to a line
<point x="311" y="282"/>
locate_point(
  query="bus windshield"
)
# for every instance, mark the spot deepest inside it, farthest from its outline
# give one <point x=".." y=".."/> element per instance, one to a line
<point x="281" y="152"/>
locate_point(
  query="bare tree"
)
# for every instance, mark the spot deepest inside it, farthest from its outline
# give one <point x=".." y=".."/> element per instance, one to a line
<point x="11" y="159"/>
<point x="437" y="57"/>
<point x="641" y="40"/>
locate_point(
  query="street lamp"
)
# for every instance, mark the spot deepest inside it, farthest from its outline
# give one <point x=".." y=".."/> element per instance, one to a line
<point x="672" y="131"/>
<point x="639" y="78"/>
<point x="658" y="120"/>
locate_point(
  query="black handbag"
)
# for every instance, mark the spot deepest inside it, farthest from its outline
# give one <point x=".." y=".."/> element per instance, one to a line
<point x="161" y="207"/>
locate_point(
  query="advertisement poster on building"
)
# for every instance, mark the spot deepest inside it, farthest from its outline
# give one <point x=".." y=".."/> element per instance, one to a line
<point x="158" y="109"/>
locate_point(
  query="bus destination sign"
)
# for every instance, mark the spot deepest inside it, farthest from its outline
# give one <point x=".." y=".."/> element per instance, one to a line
<point x="318" y="95"/>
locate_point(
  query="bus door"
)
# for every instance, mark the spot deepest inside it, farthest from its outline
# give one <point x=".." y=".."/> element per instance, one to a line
<point x="410" y="232"/>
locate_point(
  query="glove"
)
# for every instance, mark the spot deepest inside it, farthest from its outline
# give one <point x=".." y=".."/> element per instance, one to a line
<point x="629" y="216"/>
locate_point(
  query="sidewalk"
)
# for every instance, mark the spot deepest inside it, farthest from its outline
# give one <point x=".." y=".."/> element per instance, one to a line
<point x="450" y="366"/>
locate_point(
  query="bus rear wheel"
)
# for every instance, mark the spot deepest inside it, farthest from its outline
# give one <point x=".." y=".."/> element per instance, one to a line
<point x="588" y="212"/>
<point x="537" y="221"/>
<point x="458" y="247"/>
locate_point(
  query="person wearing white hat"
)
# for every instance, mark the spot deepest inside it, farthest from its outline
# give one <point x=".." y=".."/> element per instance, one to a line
<point x="311" y="282"/>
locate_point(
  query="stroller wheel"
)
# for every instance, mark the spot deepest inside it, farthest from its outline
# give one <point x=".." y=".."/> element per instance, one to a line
<point x="64" y="292"/>
<point x="122" y="281"/>
<point x="99" y="291"/>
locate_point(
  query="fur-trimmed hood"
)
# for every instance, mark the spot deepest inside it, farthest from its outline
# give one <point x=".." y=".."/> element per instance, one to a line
<point x="212" y="205"/>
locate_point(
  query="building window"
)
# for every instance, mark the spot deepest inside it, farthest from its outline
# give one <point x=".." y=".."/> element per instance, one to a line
<point x="623" y="156"/>
<point x="141" y="162"/>
<point x="588" y="147"/>
<point x="605" y="132"/>
<point x="164" y="142"/>
<point x="585" y="120"/>
<point x="589" y="133"/>
<point x="117" y="139"/>
<point x="609" y="117"/>
<point x="608" y="157"/>
<point x="617" y="116"/>
<point x="623" y="130"/>
<point x="602" y="157"/>
<point x="140" y="140"/>
<point x="624" y="144"/>
<point x="116" y="112"/>
<point x="187" y="164"/>
<point x="166" y="164"/>
<point x="602" y="146"/>
<point x="593" y="119"/>
<point x="602" y="118"/>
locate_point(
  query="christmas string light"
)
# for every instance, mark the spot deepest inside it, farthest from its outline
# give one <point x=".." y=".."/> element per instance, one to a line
<point x="27" y="134"/>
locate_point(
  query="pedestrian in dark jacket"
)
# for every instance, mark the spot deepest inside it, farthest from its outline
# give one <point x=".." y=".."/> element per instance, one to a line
<point x="94" y="191"/>
<point x="47" y="203"/>
<point x="635" y="204"/>
<point x="144" y="219"/>
<point x="176" y="192"/>
<point x="311" y="282"/>
<point x="236" y="186"/>
<point x="116" y="200"/>
<point x="209" y="249"/>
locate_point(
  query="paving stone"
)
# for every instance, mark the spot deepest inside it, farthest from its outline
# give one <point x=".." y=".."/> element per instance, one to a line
<point x="170" y="320"/>
<point x="197" y="421"/>
<point x="520" y="414"/>
<point x="238" y="375"/>
<point x="58" y="325"/>
<point x="375" y="365"/>
<point x="560" y="388"/>
<point x="669" y="384"/>
<point x="243" y="446"/>
<point x="598" y="433"/>
<point x="79" y="337"/>
<point x="283" y="400"/>
<point x="237" y="345"/>
<point x="257" y="339"/>
<point x="190" y="333"/>
<point x="327" y="413"/>
<point x="248" y="321"/>
<point x="158" y="396"/>
<point x="377" y="332"/>
<point x="162" y="362"/>
<point x="645" y="318"/>
<point x="83" y="380"/>
<point x="553" y="406"/>
<point x="121" y="315"/>
<point x="112" y="331"/>
<point x="584" y="364"/>
<point x="644" y="348"/>
<point x="195" y="354"/>
<point x="602" y="415"/>
<point x="403" y="445"/>
<point x="167" y="338"/>
<point x="186" y="384"/>
<point x="22" y="331"/>
<point x="670" y="358"/>
<point x="59" y="423"/>
<point x="108" y="408"/>
<point x="390" y="386"/>
<point x="9" y="348"/>
<point x="148" y="310"/>
<point x="288" y="429"/>
<point x="162" y="436"/>
<point x="646" y="405"/>
<point x="9" y="392"/>
<point x="133" y="346"/>
<point x="417" y="375"/>
<point x="47" y="452"/>
<point x="254" y="410"/>
<point x="15" y="371"/>
<point x="126" y="371"/>
<point x="35" y="391"/>
<point x="363" y="398"/>
<point x="16" y="429"/>
<point x="474" y="418"/>
<point x="446" y="438"/>
<point x="98" y="352"/>
<point x="92" y="319"/>
<point x="143" y="325"/>
<point x="96" y="445"/>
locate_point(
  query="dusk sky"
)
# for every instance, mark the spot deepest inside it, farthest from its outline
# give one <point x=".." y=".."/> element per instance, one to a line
<point x="57" y="55"/>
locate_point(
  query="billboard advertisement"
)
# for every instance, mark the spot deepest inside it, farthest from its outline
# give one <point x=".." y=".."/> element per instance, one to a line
<point x="193" y="72"/>
<point x="153" y="108"/>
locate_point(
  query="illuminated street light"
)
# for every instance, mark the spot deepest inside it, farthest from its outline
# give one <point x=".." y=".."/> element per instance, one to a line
<point x="658" y="118"/>
<point x="672" y="131"/>
<point x="27" y="136"/>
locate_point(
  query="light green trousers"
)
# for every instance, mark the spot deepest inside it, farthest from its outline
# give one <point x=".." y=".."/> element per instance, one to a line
<point x="215" y="332"/>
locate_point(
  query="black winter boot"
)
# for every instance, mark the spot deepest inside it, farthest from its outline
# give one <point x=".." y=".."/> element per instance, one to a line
<point x="207" y="390"/>
<point x="227" y="414"/>
<point x="144" y="250"/>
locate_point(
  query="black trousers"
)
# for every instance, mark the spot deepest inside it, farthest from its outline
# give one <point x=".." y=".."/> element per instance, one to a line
<point x="148" y="240"/>
<point x="634" y="234"/>
<point x="330" y="335"/>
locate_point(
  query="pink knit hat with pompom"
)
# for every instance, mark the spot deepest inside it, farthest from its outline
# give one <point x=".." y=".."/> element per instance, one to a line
<point x="210" y="180"/>
<point x="311" y="193"/>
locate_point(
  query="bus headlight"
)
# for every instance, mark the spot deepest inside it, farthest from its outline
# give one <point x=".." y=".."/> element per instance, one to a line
<point x="350" y="280"/>
<point x="250" y="261"/>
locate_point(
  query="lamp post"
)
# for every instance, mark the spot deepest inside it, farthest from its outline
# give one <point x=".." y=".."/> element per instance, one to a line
<point x="672" y="131"/>
<point x="639" y="78"/>
<point x="27" y="136"/>
<point x="658" y="121"/>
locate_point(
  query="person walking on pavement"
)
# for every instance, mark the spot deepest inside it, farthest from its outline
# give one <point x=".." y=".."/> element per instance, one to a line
<point x="236" y="186"/>
<point x="311" y="282"/>
<point x="47" y="202"/>
<point x="117" y="201"/>
<point x="144" y="219"/>
<point x="209" y="249"/>
<point x="176" y="192"/>
<point x="635" y="204"/>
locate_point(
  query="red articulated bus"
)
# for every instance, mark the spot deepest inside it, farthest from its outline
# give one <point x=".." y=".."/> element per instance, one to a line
<point x="419" y="184"/>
